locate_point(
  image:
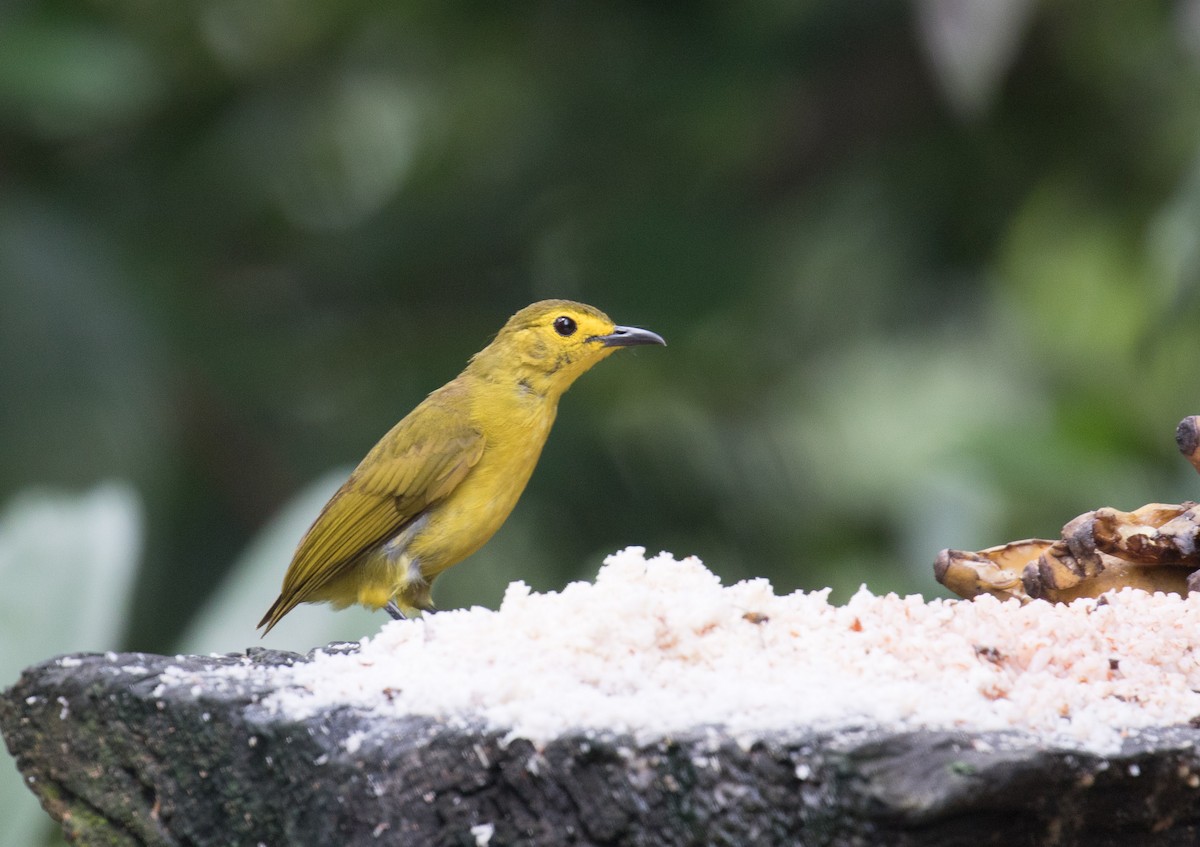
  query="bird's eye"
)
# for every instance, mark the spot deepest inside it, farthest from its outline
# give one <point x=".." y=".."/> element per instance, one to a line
<point x="564" y="326"/>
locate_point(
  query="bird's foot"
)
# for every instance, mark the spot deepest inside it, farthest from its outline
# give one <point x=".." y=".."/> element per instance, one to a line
<point x="392" y="609"/>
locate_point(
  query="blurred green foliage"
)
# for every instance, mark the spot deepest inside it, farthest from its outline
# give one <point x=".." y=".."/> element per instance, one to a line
<point x="67" y="564"/>
<point x="927" y="270"/>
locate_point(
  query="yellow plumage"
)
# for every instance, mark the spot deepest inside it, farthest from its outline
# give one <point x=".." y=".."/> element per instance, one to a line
<point x="440" y="483"/>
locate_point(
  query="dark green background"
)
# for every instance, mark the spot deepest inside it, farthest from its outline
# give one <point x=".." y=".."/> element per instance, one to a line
<point x="911" y="301"/>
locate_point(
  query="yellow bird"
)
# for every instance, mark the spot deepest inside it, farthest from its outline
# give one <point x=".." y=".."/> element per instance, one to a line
<point x="443" y="480"/>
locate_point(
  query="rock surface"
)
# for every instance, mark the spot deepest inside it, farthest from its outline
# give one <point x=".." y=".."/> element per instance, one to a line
<point x="120" y="759"/>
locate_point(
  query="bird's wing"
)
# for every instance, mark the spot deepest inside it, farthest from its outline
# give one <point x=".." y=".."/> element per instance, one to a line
<point x="414" y="466"/>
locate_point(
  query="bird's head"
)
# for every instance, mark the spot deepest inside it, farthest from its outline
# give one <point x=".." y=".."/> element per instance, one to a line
<point x="547" y="346"/>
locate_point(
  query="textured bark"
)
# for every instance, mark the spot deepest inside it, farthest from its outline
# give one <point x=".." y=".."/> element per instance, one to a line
<point x="121" y="764"/>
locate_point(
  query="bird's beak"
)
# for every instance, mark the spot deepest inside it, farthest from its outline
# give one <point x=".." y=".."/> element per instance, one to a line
<point x="628" y="336"/>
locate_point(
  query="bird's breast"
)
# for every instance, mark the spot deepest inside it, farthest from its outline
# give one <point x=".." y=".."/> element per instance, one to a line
<point x="465" y="520"/>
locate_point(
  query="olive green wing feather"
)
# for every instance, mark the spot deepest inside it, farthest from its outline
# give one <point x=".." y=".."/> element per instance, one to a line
<point x="416" y="465"/>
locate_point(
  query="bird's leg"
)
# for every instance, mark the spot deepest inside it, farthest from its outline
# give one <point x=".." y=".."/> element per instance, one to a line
<point x="392" y="609"/>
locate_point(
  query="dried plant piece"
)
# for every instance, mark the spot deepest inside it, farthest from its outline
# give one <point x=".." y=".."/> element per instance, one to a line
<point x="1037" y="569"/>
<point x="996" y="570"/>
<point x="1187" y="436"/>
<point x="1156" y="534"/>
<point x="1154" y="548"/>
<point x="1053" y="573"/>
<point x="1078" y="549"/>
<point x="1040" y="584"/>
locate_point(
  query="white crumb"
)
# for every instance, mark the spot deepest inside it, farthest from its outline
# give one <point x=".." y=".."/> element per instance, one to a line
<point x="483" y="833"/>
<point x="658" y="646"/>
<point x="354" y="741"/>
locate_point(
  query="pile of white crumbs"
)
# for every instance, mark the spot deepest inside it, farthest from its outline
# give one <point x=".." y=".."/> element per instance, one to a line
<point x="658" y="646"/>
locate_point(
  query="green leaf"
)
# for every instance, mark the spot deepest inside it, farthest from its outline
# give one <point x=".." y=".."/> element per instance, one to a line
<point x="67" y="563"/>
